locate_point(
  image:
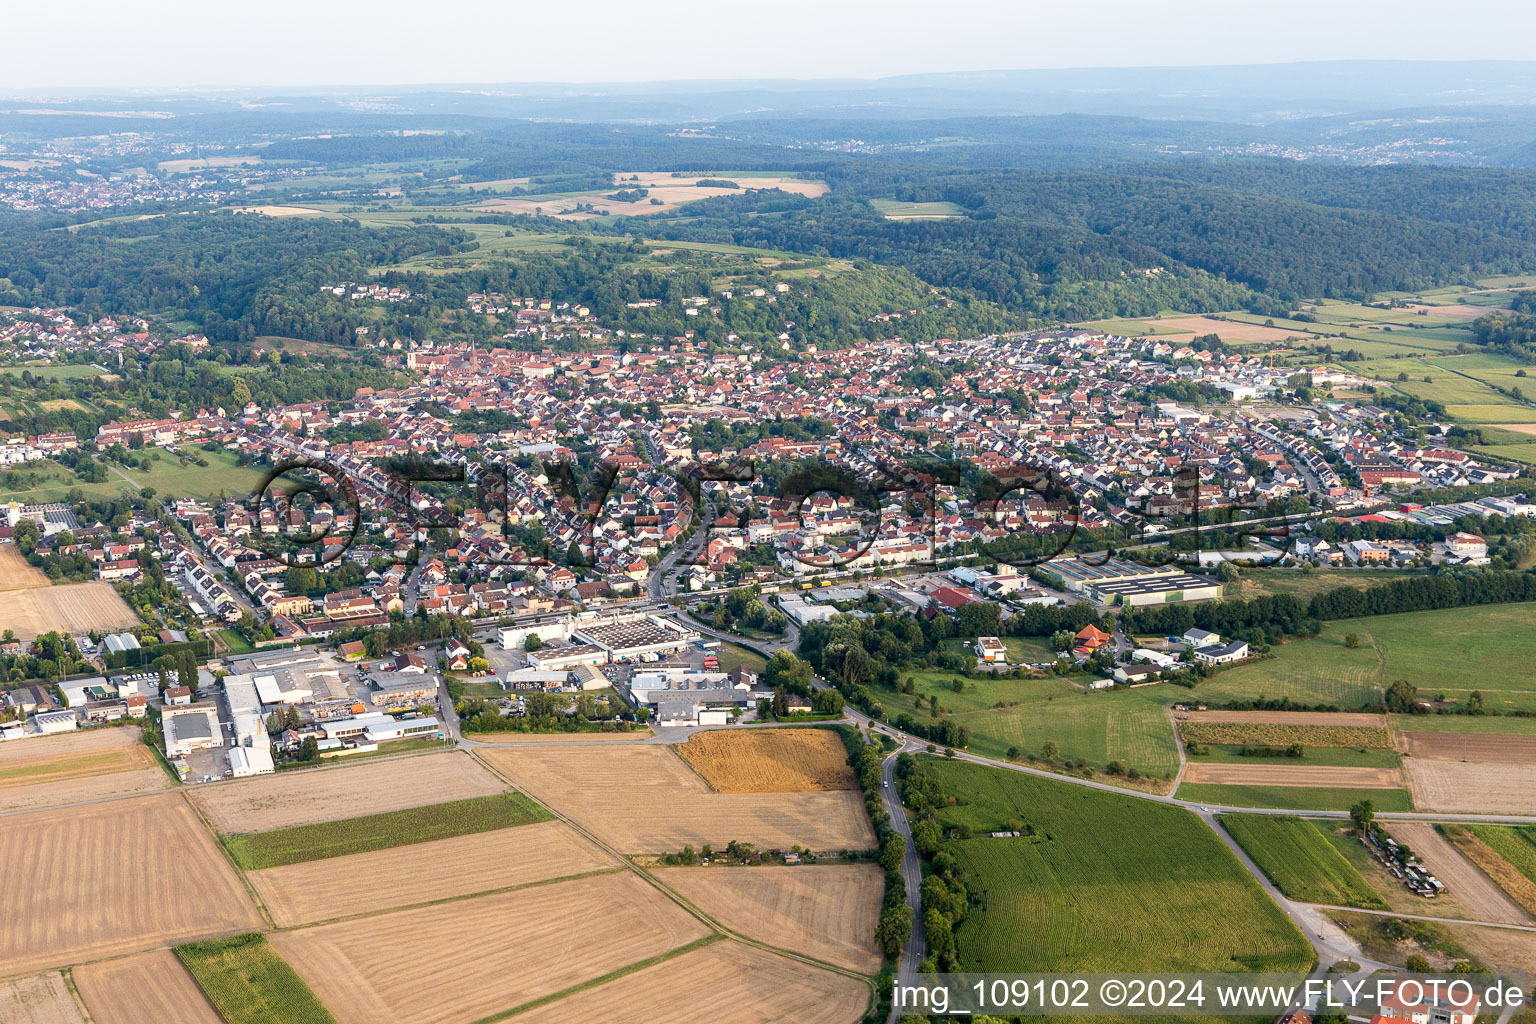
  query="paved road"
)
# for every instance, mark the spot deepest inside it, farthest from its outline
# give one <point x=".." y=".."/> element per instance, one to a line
<point x="911" y="866"/>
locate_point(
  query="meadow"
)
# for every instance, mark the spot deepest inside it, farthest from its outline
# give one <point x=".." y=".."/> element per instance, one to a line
<point x="248" y="983"/>
<point x="1104" y="882"/>
<point x="895" y="209"/>
<point x="1450" y="652"/>
<point x="299" y="843"/>
<point x="1294" y="854"/>
<point x="166" y="475"/>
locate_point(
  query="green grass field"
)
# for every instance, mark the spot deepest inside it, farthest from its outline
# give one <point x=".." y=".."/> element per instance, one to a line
<point x="1501" y="725"/>
<point x="1338" y="757"/>
<point x="1294" y="798"/>
<point x="54" y="371"/>
<point x="1516" y="845"/>
<point x="255" y="850"/>
<point x="1451" y="652"/>
<point x="1295" y="855"/>
<point x="1307" y="584"/>
<point x="1317" y="671"/>
<point x="895" y="209"/>
<point x="1129" y="726"/>
<point x="166" y="475"/>
<point x="732" y="655"/>
<point x="248" y="983"/>
<point x="1106" y="882"/>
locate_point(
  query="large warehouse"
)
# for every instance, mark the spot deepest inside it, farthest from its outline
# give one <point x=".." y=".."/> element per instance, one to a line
<point x="636" y="638"/>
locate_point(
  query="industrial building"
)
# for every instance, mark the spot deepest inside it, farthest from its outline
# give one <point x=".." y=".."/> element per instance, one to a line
<point x="190" y="727"/>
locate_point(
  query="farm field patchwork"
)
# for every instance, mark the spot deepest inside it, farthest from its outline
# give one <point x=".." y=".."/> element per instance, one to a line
<point x="99" y="884"/>
<point x="769" y="760"/>
<point x="299" y="843"/>
<point x="67" y="608"/>
<point x="1491" y="725"/>
<point x="249" y="983"/>
<point x="517" y="946"/>
<point x="1104" y="882"/>
<point x="147" y="988"/>
<point x="323" y="794"/>
<point x="69" y="768"/>
<point x="42" y="999"/>
<point x="1296" y="855"/>
<point x="643" y="799"/>
<point x="1516" y="845"/>
<point x="722" y="981"/>
<point x="361" y="883"/>
<point x="825" y="911"/>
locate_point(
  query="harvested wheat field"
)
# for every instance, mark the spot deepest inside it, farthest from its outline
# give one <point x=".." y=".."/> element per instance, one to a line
<point x="643" y="799"/>
<point x="1458" y="786"/>
<point x="349" y="791"/>
<point x="1483" y="899"/>
<point x="149" y="988"/>
<point x="49" y="771"/>
<point x="826" y="911"/>
<point x="42" y="999"/>
<point x="17" y="574"/>
<point x="1358" y="720"/>
<point x="70" y="608"/>
<point x="505" y="950"/>
<point x="361" y="883"/>
<point x="114" y="878"/>
<point x="1227" y="330"/>
<point x="1450" y="746"/>
<point x="1314" y="776"/>
<point x="770" y="760"/>
<point x="724" y="981"/>
<point x="1501" y="872"/>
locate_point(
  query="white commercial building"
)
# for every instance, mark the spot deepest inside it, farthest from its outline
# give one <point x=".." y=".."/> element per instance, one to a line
<point x="247" y="761"/>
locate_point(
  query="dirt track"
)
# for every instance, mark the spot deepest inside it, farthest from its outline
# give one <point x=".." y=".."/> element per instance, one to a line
<point x="1482" y="898"/>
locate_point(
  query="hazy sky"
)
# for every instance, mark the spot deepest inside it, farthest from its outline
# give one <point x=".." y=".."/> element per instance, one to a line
<point x="58" y="43"/>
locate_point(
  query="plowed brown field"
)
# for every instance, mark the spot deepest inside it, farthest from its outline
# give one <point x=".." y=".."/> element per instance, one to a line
<point x="770" y="760"/>
<point x="325" y="794"/>
<point x="642" y="799"/>
<point x="150" y="988"/>
<point x="826" y="911"/>
<point x="360" y="883"/>
<point x="468" y="959"/>
<point x="1314" y="776"/>
<point x="724" y="981"/>
<point x="113" y="878"/>
<point x="1450" y="746"/>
